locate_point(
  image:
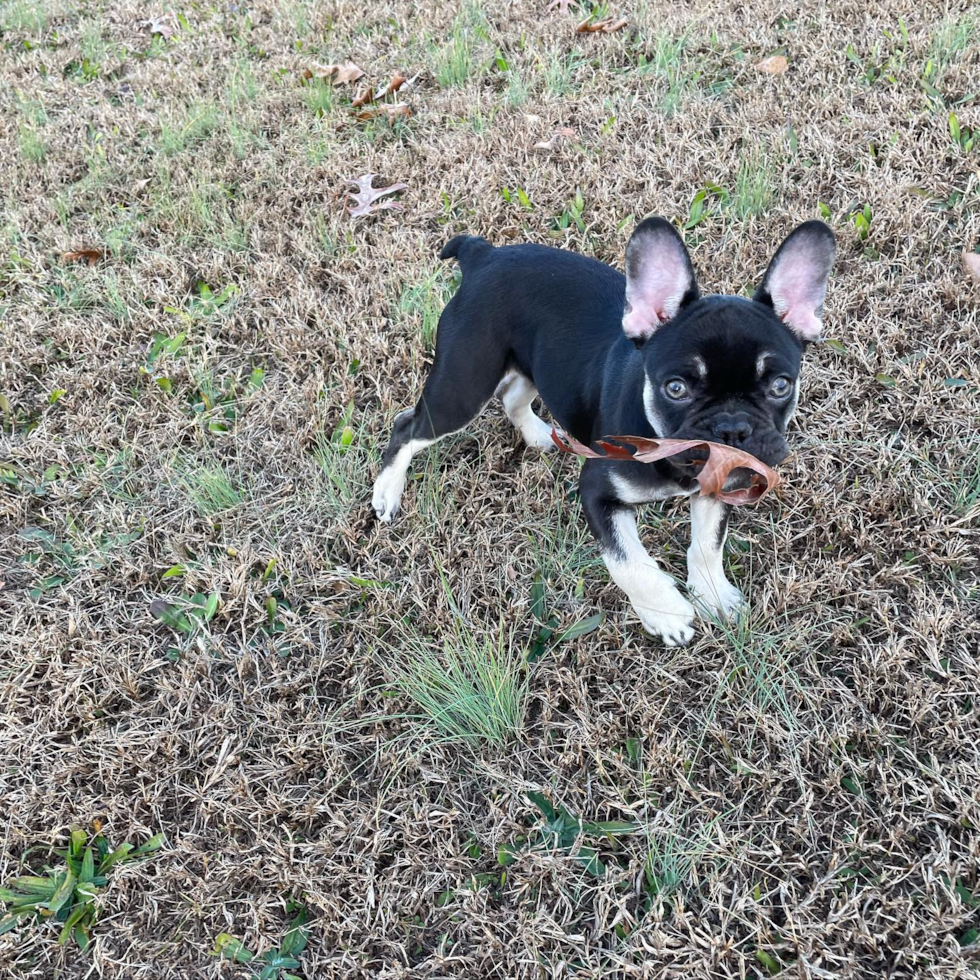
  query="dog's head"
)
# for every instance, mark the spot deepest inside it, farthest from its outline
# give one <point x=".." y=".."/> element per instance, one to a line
<point x="723" y="368"/>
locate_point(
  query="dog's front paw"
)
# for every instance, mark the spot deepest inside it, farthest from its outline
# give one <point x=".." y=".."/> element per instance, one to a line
<point x="388" y="490"/>
<point x="671" y="618"/>
<point x="715" y="598"/>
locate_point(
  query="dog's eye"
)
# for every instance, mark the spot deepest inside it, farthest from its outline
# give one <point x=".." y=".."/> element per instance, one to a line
<point x="676" y="389"/>
<point x="780" y="388"/>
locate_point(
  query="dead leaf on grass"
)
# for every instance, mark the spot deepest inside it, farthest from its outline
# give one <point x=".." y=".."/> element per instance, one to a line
<point x="90" y="256"/>
<point x="363" y="97"/>
<point x="971" y="264"/>
<point x="366" y="196"/>
<point x="397" y="81"/>
<point x="164" y="27"/>
<point x="721" y="461"/>
<point x="345" y="74"/>
<point x="774" y="65"/>
<point x="393" y="111"/>
<point x="607" y="26"/>
<point x="563" y="133"/>
<point x="366" y="95"/>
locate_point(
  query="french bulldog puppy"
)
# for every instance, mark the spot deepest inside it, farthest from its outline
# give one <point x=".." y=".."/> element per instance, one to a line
<point x="643" y="354"/>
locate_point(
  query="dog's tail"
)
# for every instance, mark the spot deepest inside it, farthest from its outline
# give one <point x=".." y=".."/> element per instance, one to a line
<point x="464" y="249"/>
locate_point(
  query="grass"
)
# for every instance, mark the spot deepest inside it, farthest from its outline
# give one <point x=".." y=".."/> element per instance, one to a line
<point x="210" y="489"/>
<point x="471" y="689"/>
<point x="422" y="301"/>
<point x="205" y="633"/>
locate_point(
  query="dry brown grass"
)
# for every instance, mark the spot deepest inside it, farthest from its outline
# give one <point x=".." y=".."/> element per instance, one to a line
<point x="807" y="785"/>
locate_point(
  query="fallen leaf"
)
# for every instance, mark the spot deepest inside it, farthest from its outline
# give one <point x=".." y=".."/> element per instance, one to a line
<point x="366" y="95"/>
<point x="90" y="256"/>
<point x="721" y="461"/>
<point x="164" y="27"/>
<point x="397" y="81"/>
<point x="363" y="97"/>
<point x="564" y="133"/>
<point x="607" y="26"/>
<point x="345" y="74"/>
<point x="366" y="196"/>
<point x="774" y="65"/>
<point x="971" y="264"/>
<point x="393" y="110"/>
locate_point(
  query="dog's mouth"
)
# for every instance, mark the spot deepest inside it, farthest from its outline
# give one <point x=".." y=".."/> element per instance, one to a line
<point x="690" y="463"/>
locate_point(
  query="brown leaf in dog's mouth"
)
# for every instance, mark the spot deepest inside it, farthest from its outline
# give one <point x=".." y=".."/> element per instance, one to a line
<point x="721" y="463"/>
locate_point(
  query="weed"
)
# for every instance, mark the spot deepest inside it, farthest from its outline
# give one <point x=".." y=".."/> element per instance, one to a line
<point x="275" y="963"/>
<point x="963" y="137"/>
<point x="68" y="894"/>
<point x="561" y="831"/>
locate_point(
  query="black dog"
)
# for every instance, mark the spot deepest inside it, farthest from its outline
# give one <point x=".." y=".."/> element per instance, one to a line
<point x="640" y="355"/>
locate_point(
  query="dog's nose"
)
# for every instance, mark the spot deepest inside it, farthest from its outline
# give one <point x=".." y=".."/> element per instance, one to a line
<point x="731" y="429"/>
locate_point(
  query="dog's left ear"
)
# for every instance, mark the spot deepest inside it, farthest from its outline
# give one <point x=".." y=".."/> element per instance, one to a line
<point x="795" y="283"/>
<point x="659" y="278"/>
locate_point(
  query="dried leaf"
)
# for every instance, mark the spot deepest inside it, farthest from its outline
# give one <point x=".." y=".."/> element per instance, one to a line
<point x="366" y="196"/>
<point x="721" y="461"/>
<point x="774" y="65"/>
<point x="607" y="26"/>
<point x="164" y="27"/>
<point x="90" y="256"/>
<point x="397" y="81"/>
<point x="363" y="97"/>
<point x="971" y="264"/>
<point x="393" y="111"/>
<point x="345" y="74"/>
<point x="564" y="133"/>
<point x="366" y="95"/>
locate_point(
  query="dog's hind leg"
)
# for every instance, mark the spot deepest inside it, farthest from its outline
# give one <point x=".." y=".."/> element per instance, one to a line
<point x="461" y="383"/>
<point x="517" y="393"/>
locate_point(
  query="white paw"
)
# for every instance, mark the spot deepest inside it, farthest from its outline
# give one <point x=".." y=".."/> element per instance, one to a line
<point x="388" y="489"/>
<point x="672" y="619"/>
<point x="715" y="598"/>
<point x="539" y="436"/>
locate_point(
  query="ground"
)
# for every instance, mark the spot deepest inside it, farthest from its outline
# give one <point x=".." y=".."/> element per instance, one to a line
<point x="207" y="635"/>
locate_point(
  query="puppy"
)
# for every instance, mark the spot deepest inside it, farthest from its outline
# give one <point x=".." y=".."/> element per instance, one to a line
<point x="643" y="354"/>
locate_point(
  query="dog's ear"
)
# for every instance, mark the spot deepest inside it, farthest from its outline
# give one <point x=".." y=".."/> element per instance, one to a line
<point x="659" y="278"/>
<point x="796" y="281"/>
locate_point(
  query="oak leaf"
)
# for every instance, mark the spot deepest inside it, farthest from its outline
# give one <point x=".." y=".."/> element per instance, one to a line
<point x="607" y="26"/>
<point x="367" y="199"/>
<point x="164" y="27"/>
<point x="90" y="256"/>
<point x="345" y="74"/>
<point x="720" y="463"/>
<point x="563" y="133"/>
<point x="363" y="97"/>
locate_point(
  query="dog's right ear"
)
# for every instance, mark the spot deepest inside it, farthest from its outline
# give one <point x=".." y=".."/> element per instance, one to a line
<point x="659" y="278"/>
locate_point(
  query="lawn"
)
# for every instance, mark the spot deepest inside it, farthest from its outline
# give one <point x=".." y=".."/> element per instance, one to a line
<point x="445" y="748"/>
